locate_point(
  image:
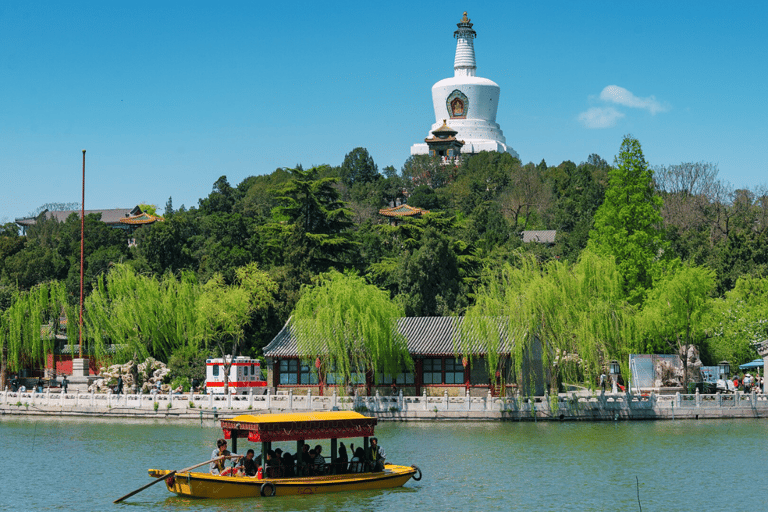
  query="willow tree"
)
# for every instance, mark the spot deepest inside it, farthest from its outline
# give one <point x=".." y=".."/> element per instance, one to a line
<point x="223" y="311"/>
<point x="673" y="312"/>
<point x="28" y="327"/>
<point x="134" y="316"/>
<point x="350" y="325"/>
<point x="575" y="316"/>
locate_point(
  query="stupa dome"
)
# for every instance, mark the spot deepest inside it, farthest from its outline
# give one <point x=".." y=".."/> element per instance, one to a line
<point x="469" y="102"/>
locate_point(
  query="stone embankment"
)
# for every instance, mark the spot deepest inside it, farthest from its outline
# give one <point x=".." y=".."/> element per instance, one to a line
<point x="565" y="407"/>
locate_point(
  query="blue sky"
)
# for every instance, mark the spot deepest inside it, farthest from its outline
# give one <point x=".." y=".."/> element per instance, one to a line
<point x="168" y="96"/>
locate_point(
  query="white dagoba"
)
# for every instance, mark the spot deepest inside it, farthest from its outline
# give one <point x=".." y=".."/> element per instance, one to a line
<point x="468" y="102"/>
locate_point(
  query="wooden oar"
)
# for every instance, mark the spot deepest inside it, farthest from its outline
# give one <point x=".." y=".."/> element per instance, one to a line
<point x="150" y="484"/>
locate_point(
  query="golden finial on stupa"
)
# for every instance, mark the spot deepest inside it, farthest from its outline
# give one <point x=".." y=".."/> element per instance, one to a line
<point x="465" y="19"/>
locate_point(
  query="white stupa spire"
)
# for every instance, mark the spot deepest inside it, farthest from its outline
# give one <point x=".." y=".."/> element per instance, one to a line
<point x="464" y="64"/>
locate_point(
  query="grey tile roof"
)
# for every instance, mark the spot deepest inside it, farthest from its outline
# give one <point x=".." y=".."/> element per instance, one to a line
<point x="425" y="336"/>
<point x="542" y="237"/>
<point x="111" y="216"/>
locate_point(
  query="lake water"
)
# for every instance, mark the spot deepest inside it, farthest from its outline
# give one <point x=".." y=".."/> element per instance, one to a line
<point x="83" y="465"/>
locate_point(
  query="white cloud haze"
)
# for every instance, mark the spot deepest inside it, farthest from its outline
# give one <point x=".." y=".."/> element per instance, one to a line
<point x="621" y="96"/>
<point x="606" y="117"/>
<point x="600" y="117"/>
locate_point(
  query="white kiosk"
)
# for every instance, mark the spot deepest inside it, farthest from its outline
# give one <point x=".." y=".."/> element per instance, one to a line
<point x="244" y="375"/>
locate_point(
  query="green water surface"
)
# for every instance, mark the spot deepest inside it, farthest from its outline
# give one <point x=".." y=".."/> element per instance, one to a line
<point x="83" y="465"/>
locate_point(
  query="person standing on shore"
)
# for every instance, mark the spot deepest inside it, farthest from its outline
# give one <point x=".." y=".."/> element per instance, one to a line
<point x="64" y="384"/>
<point x="603" y="379"/>
<point x="119" y="384"/>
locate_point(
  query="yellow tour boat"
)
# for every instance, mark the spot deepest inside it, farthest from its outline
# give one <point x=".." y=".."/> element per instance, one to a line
<point x="299" y="427"/>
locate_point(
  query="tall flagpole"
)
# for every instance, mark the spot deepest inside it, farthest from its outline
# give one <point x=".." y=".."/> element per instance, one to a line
<point x="82" y="252"/>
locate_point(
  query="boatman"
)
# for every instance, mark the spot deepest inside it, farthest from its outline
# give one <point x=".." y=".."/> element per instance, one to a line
<point x="376" y="456"/>
<point x="217" y="467"/>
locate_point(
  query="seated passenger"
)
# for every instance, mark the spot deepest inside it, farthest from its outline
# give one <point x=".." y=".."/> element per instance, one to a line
<point x="287" y="466"/>
<point x="248" y="465"/>
<point x="376" y="456"/>
<point x="357" y="464"/>
<point x="342" y="463"/>
<point x="319" y="461"/>
<point x="273" y="464"/>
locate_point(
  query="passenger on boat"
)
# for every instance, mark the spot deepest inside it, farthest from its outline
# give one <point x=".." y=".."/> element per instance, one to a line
<point x="248" y="465"/>
<point x="287" y="466"/>
<point x="273" y="464"/>
<point x="217" y="467"/>
<point x="376" y="456"/>
<point x="305" y="459"/>
<point x="357" y="464"/>
<point x="342" y="460"/>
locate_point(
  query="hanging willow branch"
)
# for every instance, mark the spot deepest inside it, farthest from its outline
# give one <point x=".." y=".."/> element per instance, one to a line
<point x="575" y="316"/>
<point x="31" y="322"/>
<point x="350" y="325"/>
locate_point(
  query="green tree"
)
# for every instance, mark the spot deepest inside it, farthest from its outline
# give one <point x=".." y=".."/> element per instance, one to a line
<point x="134" y="316"/>
<point x="223" y="312"/>
<point x="350" y="325"/>
<point x="736" y="322"/>
<point x="673" y="312"/>
<point x="318" y="240"/>
<point x="358" y="167"/>
<point x="575" y="316"/>
<point x="627" y="224"/>
<point x="28" y="327"/>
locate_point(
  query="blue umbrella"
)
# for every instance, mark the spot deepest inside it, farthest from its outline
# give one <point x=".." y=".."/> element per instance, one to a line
<point x="757" y="363"/>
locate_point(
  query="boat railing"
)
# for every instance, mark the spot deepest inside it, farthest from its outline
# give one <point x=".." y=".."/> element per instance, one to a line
<point x="391" y="404"/>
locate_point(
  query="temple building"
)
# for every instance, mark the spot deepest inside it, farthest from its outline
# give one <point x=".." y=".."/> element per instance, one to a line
<point x="466" y="102"/>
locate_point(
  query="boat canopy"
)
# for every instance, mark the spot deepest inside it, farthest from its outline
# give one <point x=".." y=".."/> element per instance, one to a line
<point x="298" y="426"/>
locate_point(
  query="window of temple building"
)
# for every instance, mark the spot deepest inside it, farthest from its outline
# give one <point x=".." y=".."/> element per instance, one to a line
<point x="454" y="371"/>
<point x="432" y="371"/>
<point x="289" y="369"/>
<point x="404" y="378"/>
<point x="308" y="375"/>
<point x="215" y="370"/>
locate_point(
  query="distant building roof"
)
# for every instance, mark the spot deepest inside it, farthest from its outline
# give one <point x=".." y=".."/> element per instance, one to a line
<point x="542" y="237"/>
<point x="426" y="336"/>
<point x="402" y="210"/>
<point x="141" y="218"/>
<point x="111" y="216"/>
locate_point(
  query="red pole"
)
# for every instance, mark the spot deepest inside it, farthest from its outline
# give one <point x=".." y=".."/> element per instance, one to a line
<point x="82" y="252"/>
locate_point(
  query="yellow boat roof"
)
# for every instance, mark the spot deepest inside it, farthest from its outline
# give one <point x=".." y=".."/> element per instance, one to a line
<point x="297" y="417"/>
<point x="297" y="426"/>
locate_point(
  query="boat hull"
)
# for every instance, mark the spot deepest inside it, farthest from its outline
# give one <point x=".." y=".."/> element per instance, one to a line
<point x="206" y="485"/>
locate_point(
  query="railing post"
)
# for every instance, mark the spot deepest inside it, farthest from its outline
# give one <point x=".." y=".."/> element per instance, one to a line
<point x="698" y="398"/>
<point x="424" y="399"/>
<point x="400" y="401"/>
<point x="677" y="399"/>
<point x="377" y="401"/>
<point x="488" y="399"/>
<point x="48" y="397"/>
<point x="719" y="400"/>
<point x="754" y="398"/>
<point x="170" y="399"/>
<point x="229" y="399"/>
<point x="334" y="400"/>
<point x="268" y="400"/>
<point x="250" y="398"/>
<point x="445" y="399"/>
<point x="468" y="401"/>
<point x="309" y="399"/>
<point x="210" y="400"/>
<point x="290" y="399"/>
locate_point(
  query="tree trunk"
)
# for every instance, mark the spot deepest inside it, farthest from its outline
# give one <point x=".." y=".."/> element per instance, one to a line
<point x="4" y="366"/>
